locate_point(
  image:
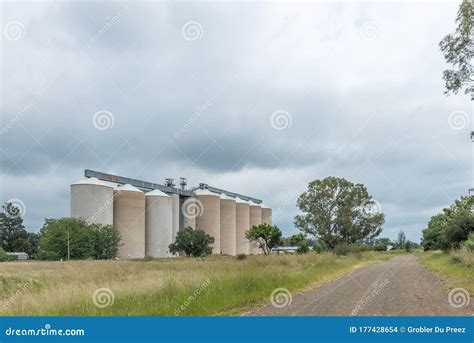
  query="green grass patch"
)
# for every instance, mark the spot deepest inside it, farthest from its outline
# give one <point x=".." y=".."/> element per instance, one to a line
<point x="454" y="269"/>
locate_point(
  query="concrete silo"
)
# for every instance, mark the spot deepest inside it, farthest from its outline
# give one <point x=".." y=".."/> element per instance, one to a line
<point x="255" y="218"/>
<point x="158" y="224"/>
<point x="129" y="220"/>
<point x="190" y="209"/>
<point x="227" y="224"/>
<point x="175" y="215"/>
<point x="209" y="220"/>
<point x="266" y="214"/>
<point x="242" y="225"/>
<point x="92" y="200"/>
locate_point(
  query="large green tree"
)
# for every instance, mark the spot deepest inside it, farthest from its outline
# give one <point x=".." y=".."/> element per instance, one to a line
<point x="84" y="240"/>
<point x="195" y="243"/>
<point x="337" y="211"/>
<point x="448" y="229"/>
<point x="13" y="236"/>
<point x="458" y="50"/>
<point x="265" y="235"/>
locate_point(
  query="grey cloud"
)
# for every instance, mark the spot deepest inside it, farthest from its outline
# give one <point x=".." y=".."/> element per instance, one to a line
<point x="365" y="110"/>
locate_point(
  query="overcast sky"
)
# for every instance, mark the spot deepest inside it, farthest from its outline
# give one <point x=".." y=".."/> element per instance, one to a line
<point x="258" y="99"/>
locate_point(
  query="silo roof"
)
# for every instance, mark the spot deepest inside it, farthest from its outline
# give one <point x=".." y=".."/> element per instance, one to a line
<point x="92" y="181"/>
<point x="205" y="192"/>
<point x="264" y="206"/>
<point x="251" y="203"/>
<point x="157" y="192"/>
<point x="226" y="197"/>
<point x="240" y="201"/>
<point x="128" y="188"/>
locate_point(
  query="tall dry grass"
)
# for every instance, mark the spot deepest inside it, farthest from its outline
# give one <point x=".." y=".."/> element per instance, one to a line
<point x="163" y="287"/>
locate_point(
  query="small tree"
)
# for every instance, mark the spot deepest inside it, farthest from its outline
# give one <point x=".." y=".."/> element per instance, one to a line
<point x="301" y="242"/>
<point x="106" y="241"/>
<point x="13" y="236"/>
<point x="401" y="239"/>
<point x="195" y="243"/>
<point x="266" y="236"/>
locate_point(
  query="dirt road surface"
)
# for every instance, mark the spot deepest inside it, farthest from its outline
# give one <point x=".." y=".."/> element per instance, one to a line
<point x="398" y="287"/>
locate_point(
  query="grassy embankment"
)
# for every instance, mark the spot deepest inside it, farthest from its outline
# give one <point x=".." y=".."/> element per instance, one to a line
<point x="159" y="287"/>
<point x="456" y="269"/>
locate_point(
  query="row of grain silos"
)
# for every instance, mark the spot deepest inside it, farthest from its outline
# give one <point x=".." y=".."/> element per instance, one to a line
<point x="148" y="222"/>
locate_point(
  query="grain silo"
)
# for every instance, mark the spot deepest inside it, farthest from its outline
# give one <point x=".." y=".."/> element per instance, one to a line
<point x="92" y="200"/>
<point x="255" y="218"/>
<point x="227" y="224"/>
<point x="190" y="209"/>
<point x="209" y="220"/>
<point x="158" y="223"/>
<point x="266" y="214"/>
<point x="175" y="215"/>
<point x="129" y="220"/>
<point x="241" y="226"/>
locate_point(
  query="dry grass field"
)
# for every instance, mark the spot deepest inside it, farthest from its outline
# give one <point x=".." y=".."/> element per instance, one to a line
<point x="215" y="285"/>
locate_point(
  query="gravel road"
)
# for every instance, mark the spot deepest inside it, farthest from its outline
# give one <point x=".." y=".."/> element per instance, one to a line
<point x="398" y="287"/>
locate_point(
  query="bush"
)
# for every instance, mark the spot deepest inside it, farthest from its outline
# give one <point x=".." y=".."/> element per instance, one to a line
<point x="468" y="245"/>
<point x="456" y="259"/>
<point x="303" y="248"/>
<point x="319" y="248"/>
<point x="193" y="243"/>
<point x="380" y="247"/>
<point x="344" y="249"/>
<point x="240" y="257"/>
<point x="5" y="257"/>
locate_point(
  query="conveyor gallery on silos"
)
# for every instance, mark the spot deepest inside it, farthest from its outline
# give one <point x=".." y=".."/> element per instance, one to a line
<point x="148" y="216"/>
